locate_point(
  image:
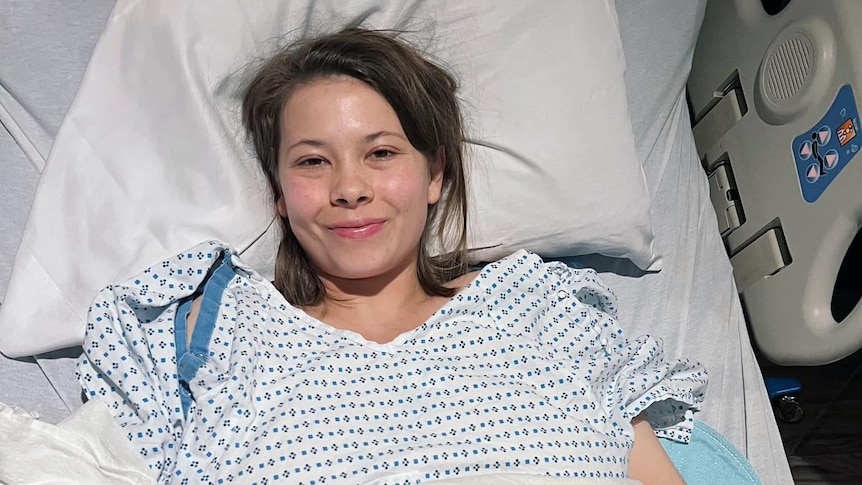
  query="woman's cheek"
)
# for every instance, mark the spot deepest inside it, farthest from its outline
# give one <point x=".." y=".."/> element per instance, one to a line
<point x="406" y="190"/>
<point x="301" y="196"/>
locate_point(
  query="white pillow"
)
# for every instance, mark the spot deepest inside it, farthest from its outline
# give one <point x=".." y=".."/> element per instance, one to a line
<point x="151" y="157"/>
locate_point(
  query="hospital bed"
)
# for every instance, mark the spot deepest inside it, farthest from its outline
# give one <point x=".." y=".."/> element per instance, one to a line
<point x="777" y="127"/>
<point x="691" y="302"/>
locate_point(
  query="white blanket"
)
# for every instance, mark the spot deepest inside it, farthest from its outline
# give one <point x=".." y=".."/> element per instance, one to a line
<point x="87" y="447"/>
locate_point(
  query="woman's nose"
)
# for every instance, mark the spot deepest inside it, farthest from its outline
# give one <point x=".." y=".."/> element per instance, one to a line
<point x="351" y="186"/>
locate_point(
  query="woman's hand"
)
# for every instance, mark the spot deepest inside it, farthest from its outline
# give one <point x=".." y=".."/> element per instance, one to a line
<point x="648" y="461"/>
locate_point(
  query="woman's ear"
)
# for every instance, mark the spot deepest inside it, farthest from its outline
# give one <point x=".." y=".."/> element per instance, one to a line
<point x="436" y="168"/>
<point x="281" y="207"/>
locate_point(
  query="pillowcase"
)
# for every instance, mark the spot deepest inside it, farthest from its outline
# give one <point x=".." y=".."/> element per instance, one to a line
<point x="151" y="157"/>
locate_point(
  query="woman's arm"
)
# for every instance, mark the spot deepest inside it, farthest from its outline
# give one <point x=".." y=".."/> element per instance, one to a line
<point x="648" y="461"/>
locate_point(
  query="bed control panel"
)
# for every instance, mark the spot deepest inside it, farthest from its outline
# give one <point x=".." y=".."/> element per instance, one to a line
<point x="824" y="150"/>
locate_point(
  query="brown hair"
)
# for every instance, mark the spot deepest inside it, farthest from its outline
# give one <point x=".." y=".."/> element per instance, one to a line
<point x="422" y="94"/>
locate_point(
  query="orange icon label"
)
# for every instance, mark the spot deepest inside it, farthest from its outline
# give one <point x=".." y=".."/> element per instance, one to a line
<point x="846" y="132"/>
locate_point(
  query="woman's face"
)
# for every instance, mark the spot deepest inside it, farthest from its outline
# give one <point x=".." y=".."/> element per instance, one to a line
<point x="355" y="191"/>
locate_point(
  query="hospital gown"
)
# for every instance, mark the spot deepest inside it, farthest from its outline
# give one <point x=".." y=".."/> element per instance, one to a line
<point x="525" y="370"/>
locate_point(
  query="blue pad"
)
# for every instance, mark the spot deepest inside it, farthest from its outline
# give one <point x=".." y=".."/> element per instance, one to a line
<point x="709" y="458"/>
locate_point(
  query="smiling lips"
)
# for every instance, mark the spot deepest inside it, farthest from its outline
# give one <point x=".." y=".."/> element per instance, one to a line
<point x="357" y="229"/>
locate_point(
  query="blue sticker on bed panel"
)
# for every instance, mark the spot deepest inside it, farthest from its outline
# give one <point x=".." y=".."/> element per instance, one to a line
<point x="828" y="147"/>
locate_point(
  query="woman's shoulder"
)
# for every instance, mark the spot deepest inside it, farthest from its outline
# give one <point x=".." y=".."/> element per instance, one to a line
<point x="524" y="267"/>
<point x="521" y="265"/>
<point x="462" y="281"/>
<point x="520" y="261"/>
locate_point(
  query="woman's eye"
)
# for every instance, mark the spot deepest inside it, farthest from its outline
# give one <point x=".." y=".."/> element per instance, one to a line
<point x="310" y="162"/>
<point x="381" y="154"/>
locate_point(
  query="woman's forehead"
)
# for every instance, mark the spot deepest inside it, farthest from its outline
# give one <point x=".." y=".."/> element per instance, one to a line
<point x="337" y="106"/>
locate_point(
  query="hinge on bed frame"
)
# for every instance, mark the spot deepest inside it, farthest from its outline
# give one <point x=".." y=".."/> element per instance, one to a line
<point x="761" y="256"/>
<point x="725" y="196"/>
<point x="723" y="111"/>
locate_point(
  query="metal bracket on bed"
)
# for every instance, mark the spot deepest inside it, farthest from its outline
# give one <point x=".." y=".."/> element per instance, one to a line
<point x="766" y="253"/>
<point x="725" y="198"/>
<point x="761" y="257"/>
<point x="720" y="114"/>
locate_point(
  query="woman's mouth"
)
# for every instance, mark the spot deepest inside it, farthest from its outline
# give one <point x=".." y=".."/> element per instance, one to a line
<point x="357" y="229"/>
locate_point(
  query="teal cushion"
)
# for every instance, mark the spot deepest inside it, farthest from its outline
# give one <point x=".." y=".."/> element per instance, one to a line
<point x="709" y="458"/>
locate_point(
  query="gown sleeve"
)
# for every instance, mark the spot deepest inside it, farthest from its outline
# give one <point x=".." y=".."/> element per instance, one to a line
<point x="628" y="377"/>
<point x="131" y="348"/>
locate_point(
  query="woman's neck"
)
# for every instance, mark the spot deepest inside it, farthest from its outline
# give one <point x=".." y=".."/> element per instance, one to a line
<point x="379" y="308"/>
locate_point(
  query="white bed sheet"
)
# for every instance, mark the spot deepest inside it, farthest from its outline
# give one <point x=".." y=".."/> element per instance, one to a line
<point x="692" y="303"/>
<point x="44" y="49"/>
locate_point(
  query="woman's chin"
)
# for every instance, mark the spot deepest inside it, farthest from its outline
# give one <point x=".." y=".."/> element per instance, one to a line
<point x="362" y="265"/>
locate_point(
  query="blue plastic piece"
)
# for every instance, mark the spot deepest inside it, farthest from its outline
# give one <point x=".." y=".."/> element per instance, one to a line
<point x="782" y="386"/>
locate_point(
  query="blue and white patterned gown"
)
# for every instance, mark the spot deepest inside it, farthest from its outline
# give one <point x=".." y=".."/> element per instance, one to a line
<point x="526" y="370"/>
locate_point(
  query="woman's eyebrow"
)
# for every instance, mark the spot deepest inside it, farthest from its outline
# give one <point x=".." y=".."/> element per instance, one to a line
<point x="374" y="136"/>
<point x="368" y="139"/>
<point x="314" y="143"/>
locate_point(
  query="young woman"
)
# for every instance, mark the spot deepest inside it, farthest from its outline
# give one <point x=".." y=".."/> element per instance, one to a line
<point x="375" y="356"/>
